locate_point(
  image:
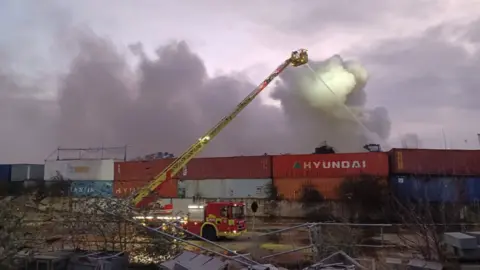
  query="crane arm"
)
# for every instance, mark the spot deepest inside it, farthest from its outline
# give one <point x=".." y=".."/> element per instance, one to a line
<point x="141" y="197"/>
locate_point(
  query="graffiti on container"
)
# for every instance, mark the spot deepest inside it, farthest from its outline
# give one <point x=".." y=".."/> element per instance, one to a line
<point x="85" y="190"/>
<point x="88" y="189"/>
<point x="59" y="177"/>
<point x="77" y="169"/>
<point x="344" y="164"/>
<point x="122" y="190"/>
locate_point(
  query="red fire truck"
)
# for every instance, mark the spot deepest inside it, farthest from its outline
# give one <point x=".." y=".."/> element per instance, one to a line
<point x="215" y="220"/>
<point x="212" y="220"/>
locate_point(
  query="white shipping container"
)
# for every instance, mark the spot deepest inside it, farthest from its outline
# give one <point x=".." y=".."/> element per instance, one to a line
<point x="226" y="188"/>
<point x="79" y="170"/>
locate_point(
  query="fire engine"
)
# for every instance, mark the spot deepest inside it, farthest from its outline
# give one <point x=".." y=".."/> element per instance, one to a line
<point x="214" y="219"/>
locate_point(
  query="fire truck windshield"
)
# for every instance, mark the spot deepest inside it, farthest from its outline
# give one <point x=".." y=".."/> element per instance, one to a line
<point x="238" y="212"/>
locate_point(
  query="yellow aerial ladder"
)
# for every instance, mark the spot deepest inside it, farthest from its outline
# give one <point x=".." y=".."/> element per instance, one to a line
<point x="144" y="196"/>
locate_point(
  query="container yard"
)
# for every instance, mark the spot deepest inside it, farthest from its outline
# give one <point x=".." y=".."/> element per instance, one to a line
<point x="175" y="203"/>
<point x="253" y="180"/>
<point x="410" y="173"/>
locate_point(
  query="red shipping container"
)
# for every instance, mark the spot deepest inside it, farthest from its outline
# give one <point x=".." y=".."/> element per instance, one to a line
<point x="139" y="170"/>
<point x="129" y="176"/>
<point x="244" y="167"/>
<point x="330" y="165"/>
<point x="435" y="162"/>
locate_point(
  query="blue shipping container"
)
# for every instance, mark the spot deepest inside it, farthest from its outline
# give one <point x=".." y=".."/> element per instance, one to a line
<point x="85" y="188"/>
<point x="472" y="190"/>
<point x="427" y="189"/>
<point x="5" y="172"/>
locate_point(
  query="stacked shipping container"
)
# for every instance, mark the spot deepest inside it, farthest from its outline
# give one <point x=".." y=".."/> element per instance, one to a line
<point x="324" y="172"/>
<point x="26" y="172"/>
<point x="132" y="175"/>
<point x="229" y="177"/>
<point x="435" y="175"/>
<point x="21" y="172"/>
<point x="14" y="177"/>
<point x="92" y="178"/>
<point x="416" y="174"/>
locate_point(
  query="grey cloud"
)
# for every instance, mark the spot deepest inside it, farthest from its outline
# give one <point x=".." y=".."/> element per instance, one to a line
<point x="174" y="103"/>
<point x="164" y="104"/>
<point x="317" y="16"/>
<point x="422" y="76"/>
<point x="427" y="70"/>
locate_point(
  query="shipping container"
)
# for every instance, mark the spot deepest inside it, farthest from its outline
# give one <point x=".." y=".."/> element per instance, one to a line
<point x="427" y="189"/>
<point x="330" y="165"/>
<point x="435" y="162"/>
<point x="291" y="188"/>
<point x="22" y="172"/>
<point x="79" y="170"/>
<point x="85" y="188"/>
<point x="142" y="171"/>
<point x="122" y="189"/>
<point x="244" y="167"/>
<point x="472" y="189"/>
<point x="225" y="188"/>
<point x="5" y="172"/>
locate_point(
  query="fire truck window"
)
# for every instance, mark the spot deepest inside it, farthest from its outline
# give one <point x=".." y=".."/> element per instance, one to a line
<point x="238" y="212"/>
<point x="223" y="212"/>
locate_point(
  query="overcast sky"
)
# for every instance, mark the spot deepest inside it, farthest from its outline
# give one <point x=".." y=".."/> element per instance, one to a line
<point x="68" y="75"/>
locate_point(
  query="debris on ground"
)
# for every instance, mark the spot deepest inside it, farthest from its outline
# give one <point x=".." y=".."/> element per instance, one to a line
<point x="193" y="261"/>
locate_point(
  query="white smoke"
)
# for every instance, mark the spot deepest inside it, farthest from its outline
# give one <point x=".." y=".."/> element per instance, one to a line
<point x="328" y="89"/>
<point x="328" y="103"/>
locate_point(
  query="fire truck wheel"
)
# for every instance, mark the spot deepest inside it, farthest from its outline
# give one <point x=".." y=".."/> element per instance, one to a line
<point x="208" y="232"/>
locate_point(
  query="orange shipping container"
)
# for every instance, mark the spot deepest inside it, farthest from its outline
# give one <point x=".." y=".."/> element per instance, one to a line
<point x="244" y="167"/>
<point x="291" y="188"/>
<point x="330" y="165"/>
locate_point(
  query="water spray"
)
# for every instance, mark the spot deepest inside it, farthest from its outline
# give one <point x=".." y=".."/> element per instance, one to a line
<point x="369" y="133"/>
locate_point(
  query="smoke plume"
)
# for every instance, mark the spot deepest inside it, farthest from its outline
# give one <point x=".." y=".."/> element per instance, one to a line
<point x="330" y="106"/>
<point x="166" y="102"/>
<point x="411" y="140"/>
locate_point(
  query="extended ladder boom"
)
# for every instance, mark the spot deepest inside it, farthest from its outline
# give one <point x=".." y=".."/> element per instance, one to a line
<point x="142" y="198"/>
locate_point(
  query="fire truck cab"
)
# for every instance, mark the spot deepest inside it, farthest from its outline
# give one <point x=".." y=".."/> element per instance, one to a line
<point x="214" y="220"/>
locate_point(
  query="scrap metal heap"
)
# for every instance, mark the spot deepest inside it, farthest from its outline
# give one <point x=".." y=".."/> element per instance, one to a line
<point x="189" y="260"/>
<point x="130" y="208"/>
